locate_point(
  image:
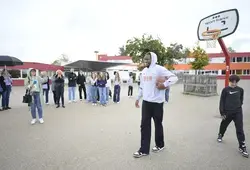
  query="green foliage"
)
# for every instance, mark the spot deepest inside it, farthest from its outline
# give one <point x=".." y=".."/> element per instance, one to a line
<point x="122" y="51"/>
<point x="138" y="47"/>
<point x="62" y="59"/>
<point x="200" y="58"/>
<point x="174" y="53"/>
<point x="230" y="50"/>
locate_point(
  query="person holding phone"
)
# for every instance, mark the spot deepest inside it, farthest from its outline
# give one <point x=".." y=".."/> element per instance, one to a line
<point x="59" y="87"/>
<point x="33" y="83"/>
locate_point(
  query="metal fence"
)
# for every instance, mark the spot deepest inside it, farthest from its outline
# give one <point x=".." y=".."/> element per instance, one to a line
<point x="200" y="85"/>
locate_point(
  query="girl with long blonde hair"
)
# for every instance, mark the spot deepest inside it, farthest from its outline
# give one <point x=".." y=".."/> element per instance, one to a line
<point x="101" y="83"/>
<point x="94" y="88"/>
<point x="117" y="88"/>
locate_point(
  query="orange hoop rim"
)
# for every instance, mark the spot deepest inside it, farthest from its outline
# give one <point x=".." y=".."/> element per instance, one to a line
<point x="212" y="33"/>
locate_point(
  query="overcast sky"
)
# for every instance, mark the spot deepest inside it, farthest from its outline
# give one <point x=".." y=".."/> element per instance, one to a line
<point x="41" y="30"/>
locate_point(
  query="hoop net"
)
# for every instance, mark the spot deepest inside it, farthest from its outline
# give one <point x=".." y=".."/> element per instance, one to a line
<point x="213" y="36"/>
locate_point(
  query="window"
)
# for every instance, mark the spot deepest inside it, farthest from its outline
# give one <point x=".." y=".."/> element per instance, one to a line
<point x="248" y="59"/>
<point x="244" y="59"/>
<point x="223" y="71"/>
<point x="238" y="72"/>
<point x="15" y="73"/>
<point x="239" y="59"/>
<point x="215" y="72"/>
<point x="24" y="73"/>
<point x="246" y="72"/>
<point x="232" y="71"/>
<point x="233" y="59"/>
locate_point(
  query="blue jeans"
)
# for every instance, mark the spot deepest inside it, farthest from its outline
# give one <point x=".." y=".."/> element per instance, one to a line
<point x="102" y="93"/>
<point x="94" y="94"/>
<point x="88" y="89"/>
<point x="72" y="93"/>
<point x="6" y="96"/>
<point x="167" y="94"/>
<point x="116" y="97"/>
<point x="107" y="94"/>
<point x="36" y="104"/>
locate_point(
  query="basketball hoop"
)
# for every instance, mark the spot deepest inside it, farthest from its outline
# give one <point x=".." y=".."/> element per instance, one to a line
<point x="212" y="36"/>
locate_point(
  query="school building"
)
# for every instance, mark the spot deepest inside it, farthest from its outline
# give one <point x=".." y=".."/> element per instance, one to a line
<point x="240" y="64"/>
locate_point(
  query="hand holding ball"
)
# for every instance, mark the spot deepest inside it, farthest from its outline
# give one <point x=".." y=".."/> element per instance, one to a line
<point x="160" y="83"/>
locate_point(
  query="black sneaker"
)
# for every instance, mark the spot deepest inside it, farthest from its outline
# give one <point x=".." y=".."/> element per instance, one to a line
<point x="139" y="154"/>
<point x="243" y="151"/>
<point x="157" y="149"/>
<point x="219" y="139"/>
<point x="63" y="106"/>
<point x="57" y="106"/>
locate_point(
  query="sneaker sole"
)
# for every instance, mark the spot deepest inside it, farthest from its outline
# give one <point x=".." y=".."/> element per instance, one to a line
<point x="155" y="151"/>
<point x="246" y="156"/>
<point x="218" y="140"/>
<point x="139" y="156"/>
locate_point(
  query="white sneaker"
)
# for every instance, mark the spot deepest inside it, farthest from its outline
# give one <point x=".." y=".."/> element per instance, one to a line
<point x="93" y="104"/>
<point x="74" y="101"/>
<point x="80" y="99"/>
<point x="41" y="120"/>
<point x="157" y="149"/>
<point x="33" y="121"/>
<point x="118" y="102"/>
<point x="47" y="103"/>
<point x="70" y="101"/>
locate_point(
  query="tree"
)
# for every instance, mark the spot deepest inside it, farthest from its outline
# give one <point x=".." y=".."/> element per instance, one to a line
<point x="122" y="51"/>
<point x="230" y="50"/>
<point x="138" y="47"/>
<point x="62" y="59"/>
<point x="200" y="58"/>
<point x="174" y="53"/>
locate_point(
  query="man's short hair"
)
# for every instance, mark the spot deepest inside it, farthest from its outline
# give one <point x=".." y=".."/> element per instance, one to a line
<point x="235" y="78"/>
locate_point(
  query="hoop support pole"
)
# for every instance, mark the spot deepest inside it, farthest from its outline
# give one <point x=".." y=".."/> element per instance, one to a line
<point x="227" y="58"/>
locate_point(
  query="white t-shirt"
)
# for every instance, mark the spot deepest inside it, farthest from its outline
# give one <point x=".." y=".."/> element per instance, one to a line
<point x="108" y="83"/>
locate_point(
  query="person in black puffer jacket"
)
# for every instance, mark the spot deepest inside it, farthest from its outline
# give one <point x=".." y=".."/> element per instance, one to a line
<point x="72" y="85"/>
<point x="59" y="88"/>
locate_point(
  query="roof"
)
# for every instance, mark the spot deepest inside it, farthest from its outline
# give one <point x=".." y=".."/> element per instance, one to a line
<point x="39" y="66"/>
<point x="92" y="65"/>
<point x="106" y="58"/>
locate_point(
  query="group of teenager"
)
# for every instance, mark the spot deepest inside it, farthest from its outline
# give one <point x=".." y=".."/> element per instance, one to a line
<point x="5" y="89"/>
<point x="95" y="86"/>
<point x="153" y="92"/>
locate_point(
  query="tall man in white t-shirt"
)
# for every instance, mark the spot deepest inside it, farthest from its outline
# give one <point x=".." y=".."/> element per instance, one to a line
<point x="153" y="82"/>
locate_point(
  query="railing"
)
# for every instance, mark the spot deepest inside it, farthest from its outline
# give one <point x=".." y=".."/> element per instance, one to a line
<point x="200" y="85"/>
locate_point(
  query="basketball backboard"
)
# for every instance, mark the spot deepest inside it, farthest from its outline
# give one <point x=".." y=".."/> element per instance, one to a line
<point x="225" y="21"/>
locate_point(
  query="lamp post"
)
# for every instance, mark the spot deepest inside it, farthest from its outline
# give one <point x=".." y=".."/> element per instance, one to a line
<point x="96" y="55"/>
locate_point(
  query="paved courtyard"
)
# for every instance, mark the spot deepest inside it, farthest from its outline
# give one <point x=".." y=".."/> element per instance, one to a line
<point x="86" y="137"/>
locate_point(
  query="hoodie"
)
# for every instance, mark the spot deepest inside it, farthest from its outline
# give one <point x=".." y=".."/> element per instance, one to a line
<point x="72" y="79"/>
<point x="81" y="80"/>
<point x="35" y="81"/>
<point x="148" y="90"/>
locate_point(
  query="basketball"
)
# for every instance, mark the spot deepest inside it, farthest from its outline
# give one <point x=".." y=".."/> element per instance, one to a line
<point x="160" y="79"/>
